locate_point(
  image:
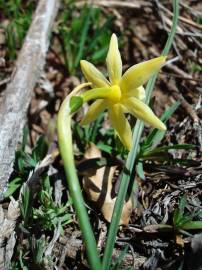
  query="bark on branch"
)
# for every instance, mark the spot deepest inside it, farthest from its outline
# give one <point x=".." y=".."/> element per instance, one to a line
<point x="18" y="93"/>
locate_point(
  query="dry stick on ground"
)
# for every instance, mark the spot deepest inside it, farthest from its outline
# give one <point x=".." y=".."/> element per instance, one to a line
<point x="182" y="73"/>
<point x="117" y="4"/>
<point x="176" y="94"/>
<point x="18" y="93"/>
<point x="7" y="233"/>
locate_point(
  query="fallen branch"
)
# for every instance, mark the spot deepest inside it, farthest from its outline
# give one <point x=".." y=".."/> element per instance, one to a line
<point x="7" y="232"/>
<point x="18" y="93"/>
<point x="116" y="4"/>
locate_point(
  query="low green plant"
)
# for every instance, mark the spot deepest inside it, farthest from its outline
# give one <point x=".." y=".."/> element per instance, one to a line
<point x="25" y="163"/>
<point x="37" y="209"/>
<point x="20" y="263"/>
<point x="74" y="27"/>
<point x="49" y="215"/>
<point x="195" y="67"/>
<point x="117" y="264"/>
<point x="199" y="19"/>
<point x="18" y="16"/>
<point x="184" y="220"/>
<point x="25" y="204"/>
<point x="38" y="259"/>
<point x="34" y="258"/>
<point x="95" y="133"/>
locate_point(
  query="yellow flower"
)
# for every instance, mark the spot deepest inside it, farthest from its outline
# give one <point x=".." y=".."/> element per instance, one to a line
<point x="120" y="94"/>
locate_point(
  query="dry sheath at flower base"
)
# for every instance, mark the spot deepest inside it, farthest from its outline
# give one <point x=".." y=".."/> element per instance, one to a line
<point x="121" y="93"/>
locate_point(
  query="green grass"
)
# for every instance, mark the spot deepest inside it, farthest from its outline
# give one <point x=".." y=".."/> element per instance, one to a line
<point x="199" y="19"/>
<point x="25" y="163"/>
<point x="184" y="219"/>
<point x="16" y="18"/>
<point x="83" y="34"/>
<point x="49" y="215"/>
<point x="193" y="67"/>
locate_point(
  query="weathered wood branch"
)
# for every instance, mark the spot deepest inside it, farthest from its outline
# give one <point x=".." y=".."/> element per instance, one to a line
<point x="7" y="232"/>
<point x="18" y="93"/>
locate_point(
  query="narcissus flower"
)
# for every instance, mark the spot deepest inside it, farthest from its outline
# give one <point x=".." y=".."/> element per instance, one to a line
<point x="121" y="93"/>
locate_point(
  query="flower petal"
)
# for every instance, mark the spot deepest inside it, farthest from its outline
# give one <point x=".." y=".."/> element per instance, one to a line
<point x="139" y="74"/>
<point x="121" y="125"/>
<point x="93" y="112"/>
<point x="138" y="93"/>
<point x="114" y="63"/>
<point x="143" y="112"/>
<point x="93" y="75"/>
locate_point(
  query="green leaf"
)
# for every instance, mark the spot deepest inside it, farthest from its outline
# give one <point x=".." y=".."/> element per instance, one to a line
<point x="26" y="204"/>
<point x="169" y="147"/>
<point x="101" y="32"/>
<point x="192" y="225"/>
<point x="49" y="214"/>
<point x="23" y="266"/>
<point x="140" y="170"/>
<point x="99" y="54"/>
<point x="75" y="103"/>
<point x="13" y="186"/>
<point x="83" y="35"/>
<point x="104" y="147"/>
<point x="46" y="184"/>
<point x="24" y="161"/>
<point x="119" y="259"/>
<point x="38" y="248"/>
<point x="40" y="150"/>
<point x="179" y="212"/>
<point x="182" y="220"/>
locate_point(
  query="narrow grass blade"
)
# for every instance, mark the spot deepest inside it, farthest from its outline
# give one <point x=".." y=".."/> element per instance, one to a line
<point x="83" y="36"/>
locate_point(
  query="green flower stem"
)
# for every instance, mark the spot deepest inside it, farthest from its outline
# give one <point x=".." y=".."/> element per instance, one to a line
<point x="66" y="151"/>
<point x="127" y="173"/>
<point x="97" y="93"/>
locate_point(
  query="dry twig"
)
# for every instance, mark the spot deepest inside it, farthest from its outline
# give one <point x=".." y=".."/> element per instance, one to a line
<point x="7" y="233"/>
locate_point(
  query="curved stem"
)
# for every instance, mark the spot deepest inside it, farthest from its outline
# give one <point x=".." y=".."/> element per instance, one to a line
<point x="66" y="151"/>
<point x="127" y="173"/>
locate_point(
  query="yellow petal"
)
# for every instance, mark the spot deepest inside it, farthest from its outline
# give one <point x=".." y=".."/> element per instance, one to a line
<point x="139" y="74"/>
<point x="143" y="112"/>
<point x="93" y="75"/>
<point x="93" y="112"/>
<point x="114" y="63"/>
<point x="138" y="93"/>
<point x="121" y="125"/>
